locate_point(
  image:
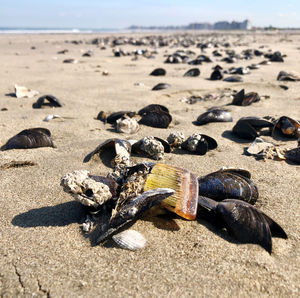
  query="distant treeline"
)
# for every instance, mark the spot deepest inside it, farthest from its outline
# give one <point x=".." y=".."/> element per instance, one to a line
<point x="224" y="25"/>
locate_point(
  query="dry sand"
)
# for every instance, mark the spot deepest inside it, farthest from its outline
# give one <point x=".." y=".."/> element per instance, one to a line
<point x="43" y="252"/>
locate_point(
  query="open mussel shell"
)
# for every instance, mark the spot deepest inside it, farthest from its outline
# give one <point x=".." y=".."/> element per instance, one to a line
<point x="243" y="221"/>
<point x="47" y="101"/>
<point x="113" y="117"/>
<point x="130" y="239"/>
<point x="293" y="155"/>
<point x="119" y="149"/>
<point x="248" y="127"/>
<point x="193" y="72"/>
<point x="214" y="115"/>
<point x="287" y="126"/>
<point x="184" y="201"/>
<point x="242" y="99"/>
<point x="228" y="183"/>
<point x="161" y="86"/>
<point x="133" y="209"/>
<point x="30" y="138"/>
<point x="158" y="72"/>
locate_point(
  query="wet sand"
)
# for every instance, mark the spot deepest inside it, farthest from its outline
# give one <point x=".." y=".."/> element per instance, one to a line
<point x="43" y="252"/>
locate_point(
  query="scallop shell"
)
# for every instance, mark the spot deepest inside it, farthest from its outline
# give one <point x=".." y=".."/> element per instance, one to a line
<point x="130" y="239"/>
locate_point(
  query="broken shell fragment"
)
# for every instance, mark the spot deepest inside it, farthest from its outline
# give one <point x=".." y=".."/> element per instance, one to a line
<point x="130" y="239"/>
<point x="30" y="138"/>
<point x="258" y="146"/>
<point x="127" y="125"/>
<point x="47" y="101"/>
<point x="184" y="201"/>
<point x="22" y="92"/>
<point x="214" y="115"/>
<point x="243" y="221"/>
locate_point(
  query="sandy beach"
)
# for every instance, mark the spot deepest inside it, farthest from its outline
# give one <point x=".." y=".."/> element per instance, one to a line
<point x="43" y="251"/>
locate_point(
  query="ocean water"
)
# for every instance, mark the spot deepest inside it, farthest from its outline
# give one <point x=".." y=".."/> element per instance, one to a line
<point x="25" y="30"/>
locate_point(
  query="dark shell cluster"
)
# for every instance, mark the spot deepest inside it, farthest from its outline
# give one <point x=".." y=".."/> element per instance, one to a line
<point x="153" y="115"/>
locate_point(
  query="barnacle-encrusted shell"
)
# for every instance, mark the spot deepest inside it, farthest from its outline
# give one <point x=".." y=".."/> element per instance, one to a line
<point x="130" y="239"/>
<point x="152" y="147"/>
<point x="86" y="190"/>
<point x="192" y="142"/>
<point x="127" y="125"/>
<point x="176" y="138"/>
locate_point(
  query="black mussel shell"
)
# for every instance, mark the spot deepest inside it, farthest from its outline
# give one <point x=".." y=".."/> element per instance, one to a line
<point x="102" y="116"/>
<point x="288" y="127"/>
<point x="161" y="86"/>
<point x="214" y="115"/>
<point x="47" y="101"/>
<point x="113" y="117"/>
<point x="233" y="79"/>
<point x="243" y="221"/>
<point x="153" y="108"/>
<point x="275" y="57"/>
<point x="156" y="119"/>
<point x="133" y="209"/>
<point x="158" y="72"/>
<point x="242" y="99"/>
<point x="193" y="72"/>
<point x="248" y="127"/>
<point x="195" y="62"/>
<point x="284" y="87"/>
<point x="30" y="138"/>
<point x="293" y="155"/>
<point x="226" y="184"/>
<point x="216" y="75"/>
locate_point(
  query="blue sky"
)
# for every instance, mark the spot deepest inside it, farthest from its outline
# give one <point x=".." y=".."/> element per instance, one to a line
<point x="121" y="14"/>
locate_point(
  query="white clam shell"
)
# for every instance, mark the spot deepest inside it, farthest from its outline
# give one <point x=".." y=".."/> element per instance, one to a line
<point x="130" y="239"/>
